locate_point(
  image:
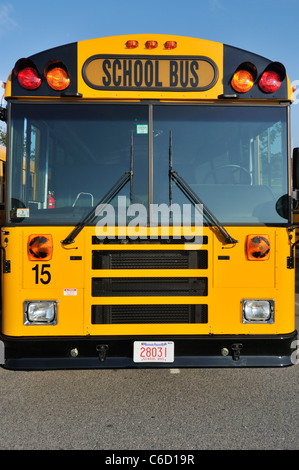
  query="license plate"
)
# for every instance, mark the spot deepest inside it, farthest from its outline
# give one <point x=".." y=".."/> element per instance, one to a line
<point x="153" y="351"/>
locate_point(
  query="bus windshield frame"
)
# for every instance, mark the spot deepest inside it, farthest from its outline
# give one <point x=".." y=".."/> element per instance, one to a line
<point x="65" y="158"/>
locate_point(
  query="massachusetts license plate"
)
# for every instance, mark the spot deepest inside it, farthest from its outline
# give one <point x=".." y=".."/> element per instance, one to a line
<point x="153" y="351"/>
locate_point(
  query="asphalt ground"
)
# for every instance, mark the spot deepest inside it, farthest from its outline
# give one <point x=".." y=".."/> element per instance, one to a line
<point x="150" y="409"/>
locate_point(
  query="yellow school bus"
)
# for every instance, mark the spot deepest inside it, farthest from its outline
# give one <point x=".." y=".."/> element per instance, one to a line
<point x="2" y="177"/>
<point x="148" y="218"/>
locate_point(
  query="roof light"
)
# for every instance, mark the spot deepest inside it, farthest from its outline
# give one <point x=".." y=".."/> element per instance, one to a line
<point x="258" y="247"/>
<point x="151" y="44"/>
<point x="170" y="45"/>
<point x="272" y="77"/>
<point x="244" y="77"/>
<point x="40" y="247"/>
<point x="58" y="78"/>
<point x="29" y="78"/>
<point x="131" y="44"/>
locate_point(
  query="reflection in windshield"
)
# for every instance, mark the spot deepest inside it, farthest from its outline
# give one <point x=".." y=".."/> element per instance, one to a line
<point x="66" y="158"/>
<point x="234" y="158"/>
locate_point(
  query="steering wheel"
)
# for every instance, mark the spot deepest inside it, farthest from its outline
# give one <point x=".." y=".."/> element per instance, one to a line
<point x="233" y="172"/>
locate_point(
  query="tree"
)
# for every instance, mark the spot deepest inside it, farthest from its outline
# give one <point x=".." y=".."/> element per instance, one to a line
<point x="3" y="137"/>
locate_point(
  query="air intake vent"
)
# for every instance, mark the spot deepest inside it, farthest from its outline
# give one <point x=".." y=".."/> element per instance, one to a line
<point x="126" y="314"/>
<point x="150" y="259"/>
<point x="134" y="286"/>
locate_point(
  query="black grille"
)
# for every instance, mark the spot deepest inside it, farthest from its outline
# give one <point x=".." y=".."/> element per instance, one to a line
<point x="136" y="286"/>
<point x="125" y="314"/>
<point x="149" y="259"/>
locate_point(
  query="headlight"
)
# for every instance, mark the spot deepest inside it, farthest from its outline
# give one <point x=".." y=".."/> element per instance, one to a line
<point x="257" y="311"/>
<point x="40" y="312"/>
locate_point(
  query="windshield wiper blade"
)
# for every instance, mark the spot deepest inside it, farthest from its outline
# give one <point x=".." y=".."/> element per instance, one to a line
<point x="194" y="198"/>
<point x="109" y="196"/>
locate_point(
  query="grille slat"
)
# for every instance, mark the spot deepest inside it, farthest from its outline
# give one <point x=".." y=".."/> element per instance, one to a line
<point x="126" y="314"/>
<point x="149" y="259"/>
<point x="151" y="286"/>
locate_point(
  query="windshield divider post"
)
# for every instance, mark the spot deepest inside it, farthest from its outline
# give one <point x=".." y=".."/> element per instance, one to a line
<point x="131" y="168"/>
<point x="170" y="169"/>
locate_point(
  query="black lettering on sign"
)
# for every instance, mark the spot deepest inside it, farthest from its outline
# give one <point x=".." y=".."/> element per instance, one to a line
<point x="138" y="73"/>
<point x="127" y="73"/>
<point x="157" y="81"/>
<point x="149" y="73"/>
<point x="116" y="77"/>
<point x="193" y="70"/>
<point x="184" y="73"/>
<point x="107" y="76"/>
<point x="173" y="73"/>
<point x="102" y="72"/>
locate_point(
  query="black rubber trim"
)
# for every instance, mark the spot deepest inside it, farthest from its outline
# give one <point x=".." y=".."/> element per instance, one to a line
<point x="117" y="352"/>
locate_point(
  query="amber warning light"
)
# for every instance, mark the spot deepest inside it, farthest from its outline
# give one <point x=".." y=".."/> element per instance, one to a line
<point x="58" y="78"/>
<point x="258" y="247"/>
<point x="55" y="73"/>
<point x="269" y="80"/>
<point x="242" y="81"/>
<point x="40" y="247"/>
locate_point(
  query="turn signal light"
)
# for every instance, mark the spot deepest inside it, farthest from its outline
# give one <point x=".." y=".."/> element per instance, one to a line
<point x="40" y="247"/>
<point x="258" y="247"/>
<point x="58" y="78"/>
<point x="29" y="78"/>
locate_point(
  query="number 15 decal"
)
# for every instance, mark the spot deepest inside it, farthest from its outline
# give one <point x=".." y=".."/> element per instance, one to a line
<point x="43" y="275"/>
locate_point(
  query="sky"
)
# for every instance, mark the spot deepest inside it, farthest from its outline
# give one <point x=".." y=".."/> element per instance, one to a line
<point x="266" y="27"/>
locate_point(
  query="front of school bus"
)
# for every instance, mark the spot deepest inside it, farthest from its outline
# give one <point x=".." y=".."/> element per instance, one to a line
<point x="148" y="216"/>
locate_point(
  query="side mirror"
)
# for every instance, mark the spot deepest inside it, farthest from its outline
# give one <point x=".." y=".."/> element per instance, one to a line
<point x="3" y="114"/>
<point x="296" y="169"/>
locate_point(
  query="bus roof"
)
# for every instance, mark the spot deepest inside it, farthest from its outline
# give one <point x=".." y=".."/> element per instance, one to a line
<point x="147" y="66"/>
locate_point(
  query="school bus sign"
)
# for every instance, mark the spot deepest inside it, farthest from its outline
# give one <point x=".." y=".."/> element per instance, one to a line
<point x="186" y="73"/>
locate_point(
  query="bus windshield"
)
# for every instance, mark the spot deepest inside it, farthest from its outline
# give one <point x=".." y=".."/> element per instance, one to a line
<point x="65" y="158"/>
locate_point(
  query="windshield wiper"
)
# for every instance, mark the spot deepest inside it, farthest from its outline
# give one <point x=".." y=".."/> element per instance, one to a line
<point x="109" y="196"/>
<point x="193" y="197"/>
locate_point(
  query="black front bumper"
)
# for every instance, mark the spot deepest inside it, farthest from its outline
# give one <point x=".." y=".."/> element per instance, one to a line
<point x="117" y="352"/>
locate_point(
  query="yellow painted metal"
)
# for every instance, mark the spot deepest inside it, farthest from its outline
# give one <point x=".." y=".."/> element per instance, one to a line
<point x="116" y="45"/>
<point x="229" y="281"/>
